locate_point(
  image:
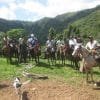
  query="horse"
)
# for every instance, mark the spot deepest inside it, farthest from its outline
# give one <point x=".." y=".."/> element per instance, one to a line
<point x="35" y="52"/>
<point x="10" y="51"/>
<point x="61" y="53"/>
<point x="23" y="52"/>
<point x="74" y="61"/>
<point x="51" y="55"/>
<point x="88" y="61"/>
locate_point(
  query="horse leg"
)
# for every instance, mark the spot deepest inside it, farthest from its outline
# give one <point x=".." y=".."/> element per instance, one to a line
<point x="48" y="60"/>
<point x="61" y="59"/>
<point x="87" y="76"/>
<point x="35" y="57"/>
<point x="91" y="72"/>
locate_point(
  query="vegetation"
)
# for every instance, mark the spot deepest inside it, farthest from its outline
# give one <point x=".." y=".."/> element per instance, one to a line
<point x="84" y="22"/>
<point x="60" y="72"/>
<point x="16" y="33"/>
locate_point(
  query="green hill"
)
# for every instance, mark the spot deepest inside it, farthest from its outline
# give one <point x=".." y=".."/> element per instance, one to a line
<point x="88" y="21"/>
<point x="90" y="24"/>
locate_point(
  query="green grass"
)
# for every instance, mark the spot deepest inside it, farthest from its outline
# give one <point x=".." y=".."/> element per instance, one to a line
<point x="58" y="71"/>
<point x="7" y="70"/>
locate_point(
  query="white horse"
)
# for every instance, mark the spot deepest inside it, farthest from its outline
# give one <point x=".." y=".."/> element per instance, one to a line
<point x="88" y="61"/>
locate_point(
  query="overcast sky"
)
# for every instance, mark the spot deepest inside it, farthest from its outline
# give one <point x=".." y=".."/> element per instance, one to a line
<point x="32" y="10"/>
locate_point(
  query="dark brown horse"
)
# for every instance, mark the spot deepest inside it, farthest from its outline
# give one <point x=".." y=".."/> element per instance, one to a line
<point x="74" y="60"/>
<point x="35" y="52"/>
<point x="23" y="52"/>
<point x="10" y="51"/>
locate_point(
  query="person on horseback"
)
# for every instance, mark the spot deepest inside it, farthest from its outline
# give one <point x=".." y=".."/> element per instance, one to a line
<point x="6" y="40"/>
<point x="32" y="40"/>
<point x="94" y="47"/>
<point x="50" y="43"/>
<point x="23" y="49"/>
<point x="77" y="42"/>
<point x="72" y="42"/>
<point x="60" y="42"/>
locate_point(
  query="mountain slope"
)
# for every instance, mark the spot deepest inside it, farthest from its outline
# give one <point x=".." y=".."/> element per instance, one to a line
<point x="90" y="24"/>
<point x="87" y="20"/>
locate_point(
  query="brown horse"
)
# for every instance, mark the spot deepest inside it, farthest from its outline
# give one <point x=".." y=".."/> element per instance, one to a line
<point x="10" y="51"/>
<point x="61" y="53"/>
<point x="50" y="55"/>
<point x="35" y="52"/>
<point x="88" y="61"/>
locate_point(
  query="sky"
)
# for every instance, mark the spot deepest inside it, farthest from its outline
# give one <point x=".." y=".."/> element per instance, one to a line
<point x="33" y="10"/>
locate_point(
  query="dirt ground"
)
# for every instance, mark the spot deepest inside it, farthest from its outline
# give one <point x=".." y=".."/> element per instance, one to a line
<point x="49" y="90"/>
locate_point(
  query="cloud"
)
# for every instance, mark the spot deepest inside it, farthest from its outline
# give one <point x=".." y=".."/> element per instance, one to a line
<point x="55" y="7"/>
<point x="7" y="13"/>
<point x="43" y="8"/>
<point x="7" y="1"/>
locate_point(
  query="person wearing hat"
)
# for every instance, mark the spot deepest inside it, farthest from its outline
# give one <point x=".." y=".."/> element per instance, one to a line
<point x="31" y="40"/>
<point x="92" y="45"/>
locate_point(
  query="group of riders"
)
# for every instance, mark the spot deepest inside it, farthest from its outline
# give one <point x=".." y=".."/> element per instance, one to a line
<point x="52" y="45"/>
<point x="73" y="42"/>
<point x="21" y="46"/>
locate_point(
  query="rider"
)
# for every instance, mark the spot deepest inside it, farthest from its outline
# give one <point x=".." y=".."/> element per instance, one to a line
<point x="60" y="42"/>
<point x="6" y="41"/>
<point x="92" y="45"/>
<point x="50" y="44"/>
<point x="32" y="40"/>
<point x="72" y="42"/>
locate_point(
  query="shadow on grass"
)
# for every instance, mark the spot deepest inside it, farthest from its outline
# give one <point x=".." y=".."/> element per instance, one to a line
<point x="53" y="66"/>
<point x="43" y="64"/>
<point x="97" y="73"/>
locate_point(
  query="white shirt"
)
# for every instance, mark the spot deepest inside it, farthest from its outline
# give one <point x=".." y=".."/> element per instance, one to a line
<point x="92" y="45"/>
<point x="60" y="43"/>
<point x="72" y="42"/>
<point x="48" y="43"/>
<point x="20" y="40"/>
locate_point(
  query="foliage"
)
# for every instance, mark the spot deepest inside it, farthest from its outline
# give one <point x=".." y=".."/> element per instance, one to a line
<point x="52" y="33"/>
<point x="89" y="24"/>
<point x="16" y="33"/>
<point x="1" y="36"/>
<point x="83" y="22"/>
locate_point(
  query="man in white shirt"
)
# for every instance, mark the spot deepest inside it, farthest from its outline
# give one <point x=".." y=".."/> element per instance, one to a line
<point x="94" y="48"/>
<point x="72" y="42"/>
<point x="92" y="44"/>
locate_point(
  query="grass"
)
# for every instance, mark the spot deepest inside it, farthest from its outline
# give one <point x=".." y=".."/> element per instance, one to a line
<point x="58" y="71"/>
<point x="7" y="70"/>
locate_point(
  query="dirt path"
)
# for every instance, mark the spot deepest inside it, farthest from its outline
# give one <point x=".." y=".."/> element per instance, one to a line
<point x="48" y="90"/>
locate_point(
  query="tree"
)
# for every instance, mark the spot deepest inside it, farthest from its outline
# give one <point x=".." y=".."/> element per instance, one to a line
<point x="1" y="37"/>
<point x="52" y="32"/>
<point x="16" y="33"/>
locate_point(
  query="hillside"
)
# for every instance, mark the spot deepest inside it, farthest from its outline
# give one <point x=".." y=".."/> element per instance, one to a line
<point x="90" y="24"/>
<point x="87" y="20"/>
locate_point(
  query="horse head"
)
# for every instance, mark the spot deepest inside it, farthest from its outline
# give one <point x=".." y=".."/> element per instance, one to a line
<point x="77" y="51"/>
<point x="80" y="50"/>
